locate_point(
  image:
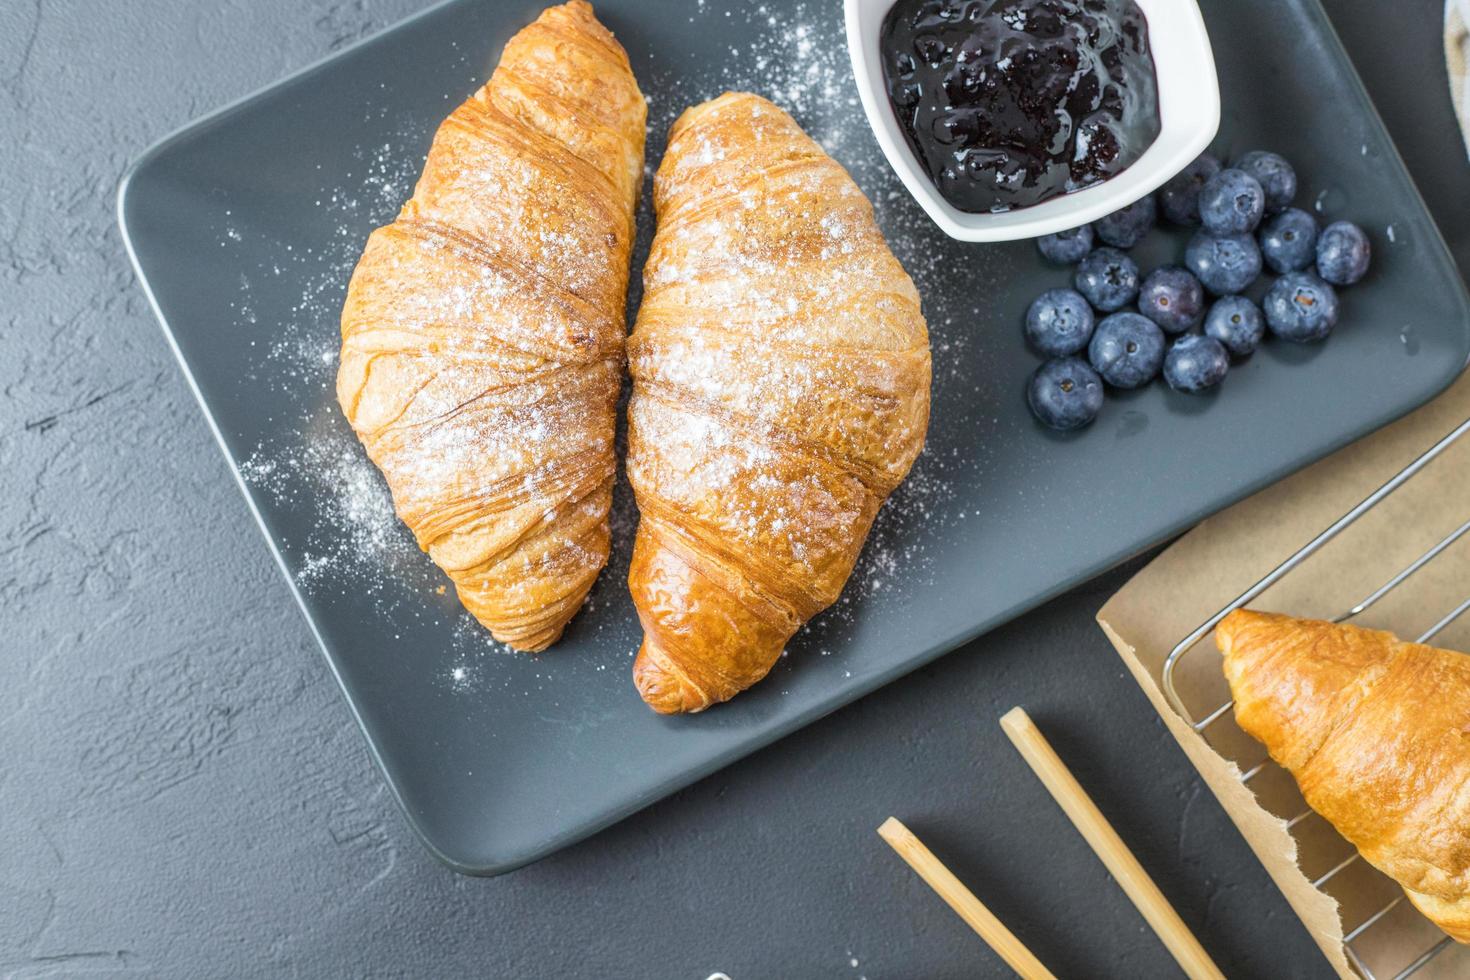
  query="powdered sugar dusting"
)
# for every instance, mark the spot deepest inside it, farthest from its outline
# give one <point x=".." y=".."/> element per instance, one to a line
<point x="800" y="62"/>
<point x="316" y="461"/>
<point x="311" y="466"/>
<point x="800" y="352"/>
<point x="364" y="537"/>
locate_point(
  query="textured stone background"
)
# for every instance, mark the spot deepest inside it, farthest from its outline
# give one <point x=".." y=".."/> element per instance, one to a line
<point x="183" y="793"/>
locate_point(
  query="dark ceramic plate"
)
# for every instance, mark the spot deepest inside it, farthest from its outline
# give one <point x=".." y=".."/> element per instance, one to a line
<point x="244" y="227"/>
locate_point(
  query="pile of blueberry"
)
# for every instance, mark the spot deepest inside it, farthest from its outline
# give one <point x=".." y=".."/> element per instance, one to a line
<point x="1123" y="320"/>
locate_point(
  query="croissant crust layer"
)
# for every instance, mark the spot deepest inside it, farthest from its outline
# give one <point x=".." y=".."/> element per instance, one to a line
<point x="483" y="331"/>
<point x="781" y="372"/>
<point x="1377" y="733"/>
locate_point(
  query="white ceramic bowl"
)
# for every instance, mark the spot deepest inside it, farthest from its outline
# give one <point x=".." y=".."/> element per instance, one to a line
<point x="1189" y="111"/>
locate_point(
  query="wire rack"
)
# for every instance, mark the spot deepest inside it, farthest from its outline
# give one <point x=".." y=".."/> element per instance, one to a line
<point x="1360" y="932"/>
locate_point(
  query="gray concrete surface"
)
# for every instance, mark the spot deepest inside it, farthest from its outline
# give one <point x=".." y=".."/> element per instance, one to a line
<point x="183" y="793"/>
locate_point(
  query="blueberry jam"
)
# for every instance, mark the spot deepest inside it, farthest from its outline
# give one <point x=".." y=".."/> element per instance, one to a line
<point x="1008" y="103"/>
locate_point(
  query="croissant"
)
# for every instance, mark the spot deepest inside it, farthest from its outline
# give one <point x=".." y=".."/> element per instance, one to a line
<point x="780" y="371"/>
<point x="483" y="330"/>
<point x="1377" y="733"/>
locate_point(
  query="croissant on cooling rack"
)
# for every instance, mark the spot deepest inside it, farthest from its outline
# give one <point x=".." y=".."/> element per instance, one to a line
<point x="1377" y="733"/>
<point x="482" y="336"/>
<point x="780" y="392"/>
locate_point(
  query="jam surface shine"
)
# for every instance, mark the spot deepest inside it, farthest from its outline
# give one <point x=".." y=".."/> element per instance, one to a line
<point x="1008" y="103"/>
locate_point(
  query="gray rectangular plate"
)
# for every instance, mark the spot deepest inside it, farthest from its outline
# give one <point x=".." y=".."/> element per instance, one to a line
<point x="244" y="228"/>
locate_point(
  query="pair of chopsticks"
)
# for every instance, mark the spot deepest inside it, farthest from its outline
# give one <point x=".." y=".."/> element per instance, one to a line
<point x="1100" y="835"/>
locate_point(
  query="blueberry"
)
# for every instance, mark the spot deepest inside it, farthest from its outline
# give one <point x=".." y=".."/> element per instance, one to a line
<point x="1196" y="362"/>
<point x="1237" y="323"/>
<point x="1126" y="227"/>
<point x="1343" y="253"/>
<point x="1224" y="263"/>
<point x="930" y="49"/>
<point x="1179" y="198"/>
<point x="1274" y="174"/>
<point x="1289" y="240"/>
<point x="1231" y="202"/>
<point x="1127" y="349"/>
<point x="955" y="126"/>
<point x="1066" y="247"/>
<point x="1301" y="307"/>
<point x="1173" y="298"/>
<point x="1065" y="393"/>
<point x="1108" y="278"/>
<point x="1059" y="322"/>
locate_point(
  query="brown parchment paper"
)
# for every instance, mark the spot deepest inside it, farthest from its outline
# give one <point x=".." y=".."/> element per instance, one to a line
<point x="1228" y="553"/>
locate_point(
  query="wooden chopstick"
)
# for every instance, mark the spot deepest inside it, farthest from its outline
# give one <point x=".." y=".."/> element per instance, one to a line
<point x="1108" y="846"/>
<point x="960" y="898"/>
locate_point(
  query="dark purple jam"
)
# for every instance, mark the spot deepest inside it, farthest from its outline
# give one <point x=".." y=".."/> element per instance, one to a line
<point x="1008" y="103"/>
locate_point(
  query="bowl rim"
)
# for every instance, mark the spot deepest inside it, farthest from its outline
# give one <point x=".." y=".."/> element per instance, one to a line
<point x="1187" y="76"/>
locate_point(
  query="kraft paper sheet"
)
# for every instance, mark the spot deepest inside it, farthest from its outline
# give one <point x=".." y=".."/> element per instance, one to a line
<point x="1220" y="559"/>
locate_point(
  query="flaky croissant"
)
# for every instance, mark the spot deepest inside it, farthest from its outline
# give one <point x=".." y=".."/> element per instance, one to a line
<point x="1377" y="733"/>
<point x="780" y="392"/>
<point x="482" y="336"/>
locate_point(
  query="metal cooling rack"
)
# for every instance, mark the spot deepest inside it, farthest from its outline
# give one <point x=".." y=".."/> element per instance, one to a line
<point x="1191" y="641"/>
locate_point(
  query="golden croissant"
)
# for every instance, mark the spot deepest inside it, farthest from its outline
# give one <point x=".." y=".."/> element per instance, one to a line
<point x="1377" y="733"/>
<point x="483" y="331"/>
<point x="780" y="370"/>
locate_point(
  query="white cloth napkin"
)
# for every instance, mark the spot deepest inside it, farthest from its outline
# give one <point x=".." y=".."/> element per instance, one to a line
<point x="1457" y="56"/>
